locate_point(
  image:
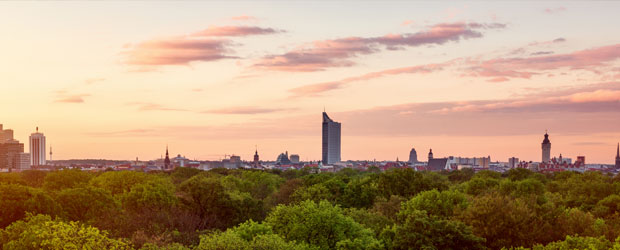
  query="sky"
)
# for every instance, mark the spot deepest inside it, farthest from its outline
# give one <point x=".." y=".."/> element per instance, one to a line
<point x="120" y="80"/>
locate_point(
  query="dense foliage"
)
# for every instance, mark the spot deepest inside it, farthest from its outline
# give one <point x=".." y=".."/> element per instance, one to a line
<point x="298" y="209"/>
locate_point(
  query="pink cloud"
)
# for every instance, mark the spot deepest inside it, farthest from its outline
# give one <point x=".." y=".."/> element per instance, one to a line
<point x="144" y="106"/>
<point x="554" y="10"/>
<point x="197" y="47"/>
<point x="318" y="88"/>
<point x="72" y="99"/>
<point x="320" y="55"/>
<point x="178" y="51"/>
<point x="244" y="110"/>
<point x="526" y="67"/>
<point x="235" y="31"/>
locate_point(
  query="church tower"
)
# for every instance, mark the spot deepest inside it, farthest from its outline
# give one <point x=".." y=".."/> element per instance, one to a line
<point x="430" y="155"/>
<point x="256" y="159"/>
<point x="167" y="160"/>
<point x="546" y="149"/>
<point x="618" y="157"/>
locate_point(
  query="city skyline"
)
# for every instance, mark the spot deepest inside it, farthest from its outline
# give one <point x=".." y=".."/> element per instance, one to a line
<point x="121" y="80"/>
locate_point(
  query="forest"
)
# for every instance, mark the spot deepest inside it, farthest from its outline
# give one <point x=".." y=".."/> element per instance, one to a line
<point x="298" y="209"/>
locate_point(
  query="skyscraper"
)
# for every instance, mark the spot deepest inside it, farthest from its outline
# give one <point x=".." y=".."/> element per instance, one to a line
<point x="413" y="156"/>
<point x="618" y="157"/>
<point x="546" y="149"/>
<point x="37" y="149"/>
<point x="331" y="140"/>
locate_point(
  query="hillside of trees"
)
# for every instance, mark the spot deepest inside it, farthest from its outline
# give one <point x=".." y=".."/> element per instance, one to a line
<point x="297" y="209"/>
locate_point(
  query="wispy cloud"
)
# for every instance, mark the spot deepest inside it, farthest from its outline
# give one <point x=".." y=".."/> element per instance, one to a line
<point x="203" y="46"/>
<point x="554" y="10"/>
<point x="90" y="81"/>
<point x="243" y="110"/>
<point x="145" y="106"/>
<point x="318" y="88"/>
<point x="235" y="31"/>
<point x="320" y="55"/>
<point x="79" y="98"/>
<point x="526" y="67"/>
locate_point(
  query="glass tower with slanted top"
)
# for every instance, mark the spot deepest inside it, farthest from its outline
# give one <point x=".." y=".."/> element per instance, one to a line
<point x="331" y="140"/>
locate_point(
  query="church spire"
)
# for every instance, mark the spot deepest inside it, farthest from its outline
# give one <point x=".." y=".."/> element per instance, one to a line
<point x="167" y="159"/>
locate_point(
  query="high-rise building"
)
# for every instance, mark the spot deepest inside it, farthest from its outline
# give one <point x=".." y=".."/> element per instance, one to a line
<point x="37" y="149"/>
<point x="9" y="154"/>
<point x="546" y="149"/>
<point x="331" y="140"/>
<point x="413" y="156"/>
<point x="5" y="134"/>
<point x="513" y="162"/>
<point x="618" y="157"/>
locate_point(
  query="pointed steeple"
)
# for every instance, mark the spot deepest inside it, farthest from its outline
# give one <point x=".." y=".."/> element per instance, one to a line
<point x="618" y="151"/>
<point x="167" y="159"/>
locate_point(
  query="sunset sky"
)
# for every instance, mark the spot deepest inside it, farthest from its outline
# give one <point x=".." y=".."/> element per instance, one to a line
<point x="120" y="80"/>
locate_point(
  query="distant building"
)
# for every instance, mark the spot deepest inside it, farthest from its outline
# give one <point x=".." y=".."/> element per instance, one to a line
<point x="562" y="159"/>
<point x="513" y="162"/>
<point x="581" y="159"/>
<point x="283" y="159"/>
<point x="256" y="163"/>
<point x="167" y="160"/>
<point x="22" y="161"/>
<point x="182" y="161"/>
<point x="235" y="159"/>
<point x="294" y="159"/>
<point x="618" y="157"/>
<point x="546" y="149"/>
<point x="331" y="140"/>
<point x="6" y="134"/>
<point x="437" y="164"/>
<point x="430" y="155"/>
<point x="10" y="154"/>
<point x="413" y="156"/>
<point x="37" y="149"/>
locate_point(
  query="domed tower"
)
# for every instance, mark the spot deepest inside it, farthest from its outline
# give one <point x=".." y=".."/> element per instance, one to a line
<point x="413" y="156"/>
<point x="546" y="149"/>
<point x="430" y="155"/>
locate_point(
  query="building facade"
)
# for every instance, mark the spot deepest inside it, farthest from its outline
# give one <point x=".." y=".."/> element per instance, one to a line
<point x="37" y="149"/>
<point x="10" y="154"/>
<point x="331" y="140"/>
<point x="413" y="156"/>
<point x="546" y="149"/>
<point x="22" y="161"/>
<point x="294" y="158"/>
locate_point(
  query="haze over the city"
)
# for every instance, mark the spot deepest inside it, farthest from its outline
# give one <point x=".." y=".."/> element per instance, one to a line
<point x="120" y="80"/>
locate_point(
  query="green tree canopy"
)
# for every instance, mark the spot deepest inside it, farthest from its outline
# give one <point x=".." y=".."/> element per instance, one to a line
<point x="320" y="224"/>
<point x="41" y="232"/>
